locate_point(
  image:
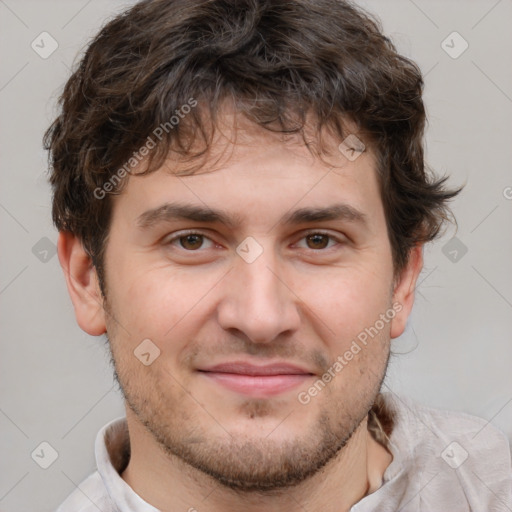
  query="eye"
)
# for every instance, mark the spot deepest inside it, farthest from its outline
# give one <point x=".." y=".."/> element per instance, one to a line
<point x="189" y="241"/>
<point x="193" y="241"/>
<point x="318" y="240"/>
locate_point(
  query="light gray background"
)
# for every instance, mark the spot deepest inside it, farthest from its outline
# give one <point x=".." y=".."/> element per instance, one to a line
<point x="56" y="384"/>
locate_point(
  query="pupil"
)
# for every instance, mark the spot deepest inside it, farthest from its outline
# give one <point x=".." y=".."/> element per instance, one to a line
<point x="191" y="241"/>
<point x="318" y="240"/>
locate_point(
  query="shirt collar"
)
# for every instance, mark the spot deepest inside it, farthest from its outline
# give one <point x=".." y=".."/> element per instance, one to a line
<point x="112" y="451"/>
<point x="113" y="454"/>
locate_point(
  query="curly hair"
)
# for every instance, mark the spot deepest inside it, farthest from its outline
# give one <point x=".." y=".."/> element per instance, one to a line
<point x="278" y="61"/>
<point x="281" y="63"/>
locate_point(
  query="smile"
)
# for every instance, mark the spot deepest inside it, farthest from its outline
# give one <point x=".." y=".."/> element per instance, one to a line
<point x="257" y="381"/>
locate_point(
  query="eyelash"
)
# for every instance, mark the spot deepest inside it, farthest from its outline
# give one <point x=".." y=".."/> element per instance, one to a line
<point x="176" y="237"/>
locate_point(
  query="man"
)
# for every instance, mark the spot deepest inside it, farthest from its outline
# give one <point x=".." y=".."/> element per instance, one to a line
<point x="242" y="203"/>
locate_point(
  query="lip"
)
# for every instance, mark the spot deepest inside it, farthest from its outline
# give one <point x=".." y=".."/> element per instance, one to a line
<point x="256" y="380"/>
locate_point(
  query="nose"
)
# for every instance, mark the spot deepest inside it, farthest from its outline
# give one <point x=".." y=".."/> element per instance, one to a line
<point x="257" y="300"/>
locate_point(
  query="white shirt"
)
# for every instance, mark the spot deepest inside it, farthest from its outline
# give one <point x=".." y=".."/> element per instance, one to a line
<point x="442" y="462"/>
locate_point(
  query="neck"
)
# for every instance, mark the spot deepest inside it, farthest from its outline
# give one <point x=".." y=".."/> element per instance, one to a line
<point x="171" y="485"/>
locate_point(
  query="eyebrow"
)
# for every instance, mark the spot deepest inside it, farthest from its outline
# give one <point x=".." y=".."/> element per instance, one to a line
<point x="169" y="212"/>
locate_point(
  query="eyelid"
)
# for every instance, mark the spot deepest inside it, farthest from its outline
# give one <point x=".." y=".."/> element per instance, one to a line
<point x="322" y="232"/>
<point x="339" y="239"/>
<point x="173" y="237"/>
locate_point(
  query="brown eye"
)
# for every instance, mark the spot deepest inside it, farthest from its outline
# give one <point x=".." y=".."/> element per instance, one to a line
<point x="317" y="241"/>
<point x="188" y="241"/>
<point x="191" y="242"/>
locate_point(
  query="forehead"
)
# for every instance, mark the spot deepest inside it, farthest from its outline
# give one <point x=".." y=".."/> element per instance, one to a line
<point x="250" y="171"/>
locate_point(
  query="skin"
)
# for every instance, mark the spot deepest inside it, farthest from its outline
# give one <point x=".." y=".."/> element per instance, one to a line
<point x="195" y="443"/>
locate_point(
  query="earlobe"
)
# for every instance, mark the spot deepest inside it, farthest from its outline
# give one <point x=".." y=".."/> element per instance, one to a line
<point x="82" y="283"/>
<point x="405" y="289"/>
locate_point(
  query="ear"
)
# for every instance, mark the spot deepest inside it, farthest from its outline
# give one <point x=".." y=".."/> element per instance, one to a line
<point x="404" y="290"/>
<point x="83" y="285"/>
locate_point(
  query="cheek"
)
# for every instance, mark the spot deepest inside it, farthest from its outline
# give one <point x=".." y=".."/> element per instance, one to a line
<point x="142" y="302"/>
<point x="161" y="303"/>
<point x="355" y="337"/>
<point x="347" y="303"/>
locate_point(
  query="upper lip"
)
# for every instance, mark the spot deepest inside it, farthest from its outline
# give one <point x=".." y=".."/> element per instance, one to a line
<point x="244" y="368"/>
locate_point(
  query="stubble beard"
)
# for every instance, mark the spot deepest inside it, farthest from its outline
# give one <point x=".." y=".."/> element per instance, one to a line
<point x="261" y="465"/>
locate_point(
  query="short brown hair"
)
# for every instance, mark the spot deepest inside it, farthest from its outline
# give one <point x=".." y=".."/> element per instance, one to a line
<point x="278" y="61"/>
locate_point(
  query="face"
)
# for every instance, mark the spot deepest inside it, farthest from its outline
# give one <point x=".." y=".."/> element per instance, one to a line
<point x="252" y="279"/>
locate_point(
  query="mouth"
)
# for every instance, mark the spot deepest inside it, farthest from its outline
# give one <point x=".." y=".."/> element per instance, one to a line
<point x="254" y="380"/>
